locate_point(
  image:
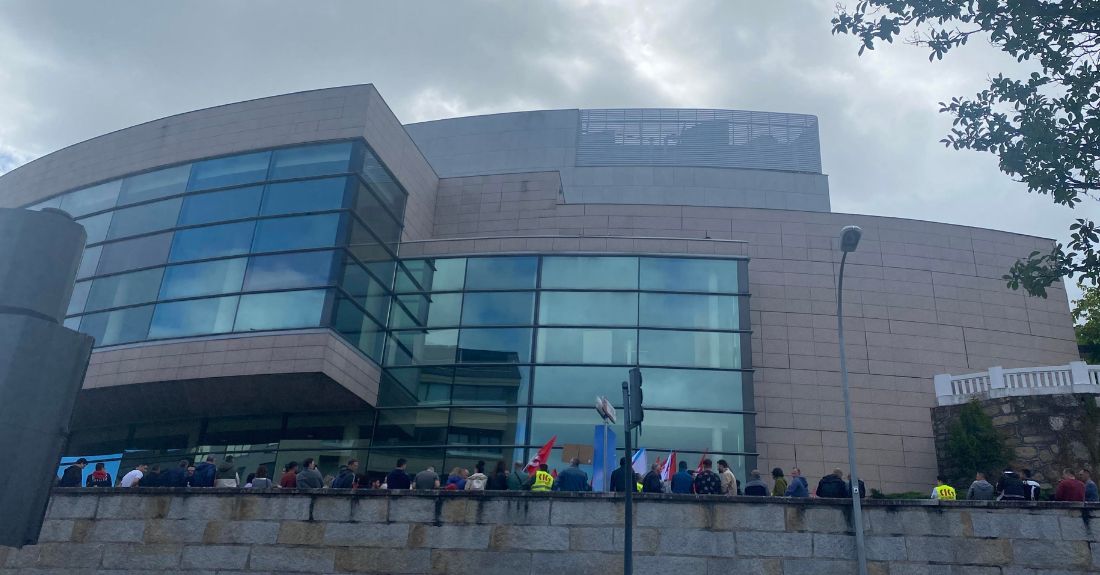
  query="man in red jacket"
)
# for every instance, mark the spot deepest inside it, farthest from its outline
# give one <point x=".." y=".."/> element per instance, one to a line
<point x="1069" y="488"/>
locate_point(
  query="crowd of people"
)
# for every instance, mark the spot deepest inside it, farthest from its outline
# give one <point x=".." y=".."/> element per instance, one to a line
<point x="1012" y="486"/>
<point x="703" y="480"/>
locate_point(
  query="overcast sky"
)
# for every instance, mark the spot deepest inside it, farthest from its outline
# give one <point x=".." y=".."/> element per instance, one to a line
<point x="70" y="71"/>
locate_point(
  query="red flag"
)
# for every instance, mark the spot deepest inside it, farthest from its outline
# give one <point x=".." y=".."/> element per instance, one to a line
<point x="699" y="469"/>
<point x="669" y="467"/>
<point x="541" y="457"/>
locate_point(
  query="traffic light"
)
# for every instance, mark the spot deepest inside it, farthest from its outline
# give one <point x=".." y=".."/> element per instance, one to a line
<point x="636" y="412"/>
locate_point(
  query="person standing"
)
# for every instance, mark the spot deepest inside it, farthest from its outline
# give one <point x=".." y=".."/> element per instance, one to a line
<point x="729" y="480"/>
<point x="429" y="479"/>
<point x="848" y="486"/>
<point x="651" y="483"/>
<point x="798" y="487"/>
<point x="289" y="480"/>
<point x="227" y="473"/>
<point x="1010" y="488"/>
<point x="1069" y="488"/>
<point x="99" y="477"/>
<point x="833" y="486"/>
<point x="398" y="479"/>
<point x="206" y="473"/>
<point x="152" y="478"/>
<point x="1091" y="493"/>
<point x="73" y="474"/>
<point x="345" y="479"/>
<point x="518" y="478"/>
<point x="573" y="478"/>
<point x="780" y="487"/>
<point x="1031" y="487"/>
<point x="133" y="478"/>
<point x="681" y="481"/>
<point x="498" y="481"/>
<point x="620" y="479"/>
<point x="261" y="480"/>
<point x="478" y="480"/>
<point x="707" y="482"/>
<point x="543" y="481"/>
<point x="943" y="491"/>
<point x="756" y="486"/>
<point x="176" y="476"/>
<point x="309" y="477"/>
<point x="980" y="489"/>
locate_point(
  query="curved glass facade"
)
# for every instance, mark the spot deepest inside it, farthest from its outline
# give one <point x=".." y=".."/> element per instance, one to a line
<point x="277" y="239"/>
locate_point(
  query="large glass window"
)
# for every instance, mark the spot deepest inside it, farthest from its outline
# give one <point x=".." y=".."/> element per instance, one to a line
<point x="590" y="272"/>
<point x="311" y="161"/>
<point x="365" y="289"/>
<point x="412" y="427"/>
<point x="689" y="311"/>
<point x="379" y="220"/>
<point x="690" y="348"/>
<point x="205" y="278"/>
<point x="501" y="273"/>
<point x="588" y="308"/>
<point x="308" y="269"/>
<point x="229" y="171"/>
<point x="280" y="310"/>
<point x="383" y="184"/>
<point x="587" y="345"/>
<point x="212" y="241"/>
<point x="88" y="262"/>
<point x="93" y="199"/>
<point x="490" y="385"/>
<point x="296" y="233"/>
<point x="422" y="347"/>
<point x="124" y="289"/>
<point x="145" y="218"/>
<point x="433" y="275"/>
<point x="498" y="308"/>
<point x="136" y="253"/>
<point x="119" y="326"/>
<point x="494" y="345"/>
<point x="304" y="196"/>
<point x="210" y="207"/>
<point x="703" y="275"/>
<point x="579" y="385"/>
<point x="420" y="385"/>
<point x="153" y="185"/>
<point x="358" y="328"/>
<point x="428" y="310"/>
<point x="193" y="317"/>
<point x="79" y="298"/>
<point x="96" y="227"/>
<point x="693" y="388"/>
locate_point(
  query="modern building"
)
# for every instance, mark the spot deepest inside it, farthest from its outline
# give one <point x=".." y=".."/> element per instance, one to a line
<point x="304" y="276"/>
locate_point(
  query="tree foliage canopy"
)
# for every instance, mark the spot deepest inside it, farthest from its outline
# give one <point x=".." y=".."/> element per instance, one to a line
<point x="1045" y="128"/>
<point x="973" y="445"/>
<point x="1086" y="316"/>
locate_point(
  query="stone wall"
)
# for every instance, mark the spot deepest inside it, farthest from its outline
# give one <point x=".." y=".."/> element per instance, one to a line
<point x="1045" y="433"/>
<point x="127" y="531"/>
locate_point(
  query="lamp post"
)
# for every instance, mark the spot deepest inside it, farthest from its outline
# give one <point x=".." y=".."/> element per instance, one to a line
<point x="849" y="240"/>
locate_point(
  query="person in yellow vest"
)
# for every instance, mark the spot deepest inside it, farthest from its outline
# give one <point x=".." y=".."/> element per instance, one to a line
<point x="543" y="480"/>
<point x="943" y="491"/>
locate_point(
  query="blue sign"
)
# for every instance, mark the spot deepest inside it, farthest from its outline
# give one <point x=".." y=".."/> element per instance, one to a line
<point x="603" y="457"/>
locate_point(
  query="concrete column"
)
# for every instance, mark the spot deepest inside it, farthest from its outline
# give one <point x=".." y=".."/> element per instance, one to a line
<point x="42" y="363"/>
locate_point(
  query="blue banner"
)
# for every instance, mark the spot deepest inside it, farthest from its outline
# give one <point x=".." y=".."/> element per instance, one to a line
<point x="603" y="457"/>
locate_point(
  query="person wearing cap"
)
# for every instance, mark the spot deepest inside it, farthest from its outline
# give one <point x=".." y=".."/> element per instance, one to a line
<point x="73" y="474"/>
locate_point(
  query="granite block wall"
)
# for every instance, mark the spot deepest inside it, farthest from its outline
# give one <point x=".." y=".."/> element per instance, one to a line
<point x="522" y="533"/>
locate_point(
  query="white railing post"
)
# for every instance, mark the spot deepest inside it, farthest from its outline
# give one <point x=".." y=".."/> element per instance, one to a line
<point x="1079" y="372"/>
<point x="996" y="377"/>
<point x="943" y="386"/>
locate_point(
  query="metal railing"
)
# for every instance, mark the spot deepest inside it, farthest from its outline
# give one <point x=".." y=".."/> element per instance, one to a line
<point x="1074" y="377"/>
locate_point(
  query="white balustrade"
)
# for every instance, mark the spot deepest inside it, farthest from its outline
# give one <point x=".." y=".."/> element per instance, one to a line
<point x="1075" y="377"/>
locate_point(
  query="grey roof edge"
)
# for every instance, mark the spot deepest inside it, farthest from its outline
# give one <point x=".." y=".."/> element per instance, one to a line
<point x="578" y="110"/>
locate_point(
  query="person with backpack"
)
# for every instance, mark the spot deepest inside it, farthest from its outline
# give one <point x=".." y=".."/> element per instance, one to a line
<point x="346" y="478"/>
<point x="227" y="473"/>
<point x="1031" y="487"/>
<point x="478" y="480"/>
<point x="1010" y="488"/>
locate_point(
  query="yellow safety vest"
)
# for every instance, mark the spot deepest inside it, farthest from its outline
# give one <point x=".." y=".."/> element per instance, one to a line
<point x="945" y="492"/>
<point x="543" y="481"/>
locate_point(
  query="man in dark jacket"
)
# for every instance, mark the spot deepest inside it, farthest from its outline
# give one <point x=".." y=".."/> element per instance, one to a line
<point x="651" y="483"/>
<point x="681" y="481"/>
<point x="707" y="482"/>
<point x="573" y="478"/>
<point x="309" y="477"/>
<point x="99" y="477"/>
<point x="73" y="474"/>
<point x="152" y="478"/>
<point x="832" y="485"/>
<point x="205" y="473"/>
<point x="756" y="486"/>
<point x="617" y="477"/>
<point x="346" y="478"/>
<point x="175" y="477"/>
<point x="398" y="478"/>
<point x="1010" y="487"/>
<point x="848" y="486"/>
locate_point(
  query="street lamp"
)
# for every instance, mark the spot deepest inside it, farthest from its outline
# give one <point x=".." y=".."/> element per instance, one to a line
<point x="849" y="240"/>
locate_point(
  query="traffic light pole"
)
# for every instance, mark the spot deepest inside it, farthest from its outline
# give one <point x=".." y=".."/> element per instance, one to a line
<point x="628" y="489"/>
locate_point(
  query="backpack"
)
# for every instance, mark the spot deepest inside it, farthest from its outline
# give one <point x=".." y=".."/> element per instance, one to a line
<point x="476" y="482"/>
